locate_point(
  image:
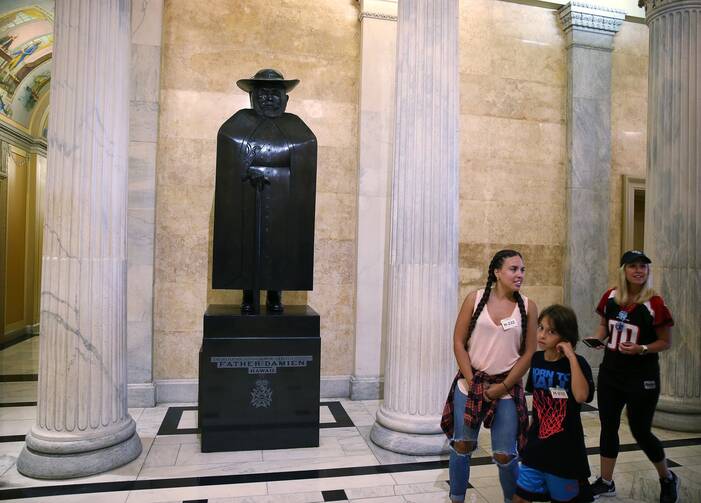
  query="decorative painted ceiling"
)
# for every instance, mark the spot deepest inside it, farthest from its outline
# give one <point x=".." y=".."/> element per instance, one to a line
<point x="26" y="47"/>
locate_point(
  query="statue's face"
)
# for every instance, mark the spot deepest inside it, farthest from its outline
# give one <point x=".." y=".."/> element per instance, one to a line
<point x="269" y="101"/>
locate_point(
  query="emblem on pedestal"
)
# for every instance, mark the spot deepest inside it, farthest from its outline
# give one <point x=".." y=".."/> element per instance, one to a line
<point x="261" y="394"/>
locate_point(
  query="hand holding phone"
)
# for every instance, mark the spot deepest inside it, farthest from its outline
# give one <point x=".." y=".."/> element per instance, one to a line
<point x="594" y="342"/>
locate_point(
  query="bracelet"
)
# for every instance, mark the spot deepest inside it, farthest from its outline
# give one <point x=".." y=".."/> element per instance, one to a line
<point x="508" y="390"/>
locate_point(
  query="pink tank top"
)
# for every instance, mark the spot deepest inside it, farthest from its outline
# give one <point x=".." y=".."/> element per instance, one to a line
<point x="491" y="348"/>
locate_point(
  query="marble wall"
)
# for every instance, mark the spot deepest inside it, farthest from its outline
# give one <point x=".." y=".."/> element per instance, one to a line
<point x="513" y="86"/>
<point x="205" y="50"/>
<point x="146" y="22"/>
<point x="628" y="124"/>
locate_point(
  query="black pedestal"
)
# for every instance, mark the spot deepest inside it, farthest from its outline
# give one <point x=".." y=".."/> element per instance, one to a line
<point x="259" y="379"/>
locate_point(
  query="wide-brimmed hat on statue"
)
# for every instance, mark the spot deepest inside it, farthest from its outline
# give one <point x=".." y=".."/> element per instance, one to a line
<point x="267" y="76"/>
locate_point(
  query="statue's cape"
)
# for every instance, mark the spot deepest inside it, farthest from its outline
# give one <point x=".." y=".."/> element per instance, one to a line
<point x="288" y="158"/>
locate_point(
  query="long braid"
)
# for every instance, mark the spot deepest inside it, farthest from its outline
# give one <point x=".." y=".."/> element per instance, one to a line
<point x="491" y="279"/>
<point x="524" y="321"/>
<point x="478" y="309"/>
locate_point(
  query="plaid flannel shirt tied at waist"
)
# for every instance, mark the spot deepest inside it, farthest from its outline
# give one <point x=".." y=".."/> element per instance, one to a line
<point x="478" y="410"/>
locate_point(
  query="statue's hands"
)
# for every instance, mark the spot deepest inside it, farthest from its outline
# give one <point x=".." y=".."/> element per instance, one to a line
<point x="249" y="153"/>
<point x="253" y="175"/>
<point x="256" y="177"/>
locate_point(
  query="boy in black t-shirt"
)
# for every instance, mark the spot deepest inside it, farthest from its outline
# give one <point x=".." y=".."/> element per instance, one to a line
<point x="554" y="458"/>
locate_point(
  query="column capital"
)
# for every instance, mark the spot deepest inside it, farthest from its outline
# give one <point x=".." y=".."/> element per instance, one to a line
<point x="384" y="10"/>
<point x="653" y="8"/>
<point x="591" y="17"/>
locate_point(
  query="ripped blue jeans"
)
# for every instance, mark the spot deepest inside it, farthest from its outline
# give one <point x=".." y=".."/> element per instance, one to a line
<point x="504" y="432"/>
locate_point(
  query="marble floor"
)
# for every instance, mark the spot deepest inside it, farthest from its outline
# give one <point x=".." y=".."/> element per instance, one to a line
<point x="346" y="466"/>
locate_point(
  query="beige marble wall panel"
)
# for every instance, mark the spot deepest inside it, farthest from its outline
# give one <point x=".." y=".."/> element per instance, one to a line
<point x="169" y="349"/>
<point x="186" y="303"/>
<point x="512" y="127"/>
<point x="281" y="27"/>
<point x="185" y="161"/>
<point x="510" y="98"/>
<point x="492" y="179"/>
<point x="336" y="172"/>
<point x="187" y="252"/>
<point x="628" y="124"/>
<point x="320" y="46"/>
<point x="189" y="67"/>
<point x="486" y="137"/>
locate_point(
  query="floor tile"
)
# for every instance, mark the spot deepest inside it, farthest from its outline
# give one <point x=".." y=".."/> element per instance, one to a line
<point x="188" y="420"/>
<point x="355" y="493"/>
<point x="194" y="493"/>
<point x="106" y="497"/>
<point x="382" y="499"/>
<point x="162" y="455"/>
<point x="176" y="463"/>
<point x="330" y="483"/>
<point x="190" y="454"/>
<point x="18" y="413"/>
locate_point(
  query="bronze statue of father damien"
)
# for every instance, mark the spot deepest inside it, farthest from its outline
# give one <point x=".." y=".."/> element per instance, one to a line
<point x="264" y="197"/>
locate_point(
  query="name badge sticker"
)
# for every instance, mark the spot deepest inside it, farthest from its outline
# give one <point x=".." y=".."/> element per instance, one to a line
<point x="649" y="384"/>
<point x="508" y="323"/>
<point x="558" y="393"/>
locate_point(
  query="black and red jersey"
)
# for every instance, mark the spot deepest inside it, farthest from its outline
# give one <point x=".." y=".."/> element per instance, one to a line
<point x="635" y="323"/>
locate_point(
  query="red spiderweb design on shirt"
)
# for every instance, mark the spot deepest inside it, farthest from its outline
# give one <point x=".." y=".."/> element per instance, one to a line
<point x="551" y="413"/>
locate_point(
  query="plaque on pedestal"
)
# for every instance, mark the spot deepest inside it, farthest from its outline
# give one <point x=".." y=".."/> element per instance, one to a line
<point x="259" y="379"/>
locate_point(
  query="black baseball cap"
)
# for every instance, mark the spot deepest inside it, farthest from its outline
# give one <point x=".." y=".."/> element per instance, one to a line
<point x="634" y="256"/>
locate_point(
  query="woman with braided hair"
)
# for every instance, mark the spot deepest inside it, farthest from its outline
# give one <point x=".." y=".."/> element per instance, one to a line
<point x="494" y="340"/>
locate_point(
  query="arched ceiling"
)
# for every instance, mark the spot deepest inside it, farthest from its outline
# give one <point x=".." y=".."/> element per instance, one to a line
<point x="26" y="47"/>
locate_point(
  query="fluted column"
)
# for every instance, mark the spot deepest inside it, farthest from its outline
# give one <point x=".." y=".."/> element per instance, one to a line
<point x="83" y="425"/>
<point x="590" y="30"/>
<point x="672" y="210"/>
<point x="423" y="294"/>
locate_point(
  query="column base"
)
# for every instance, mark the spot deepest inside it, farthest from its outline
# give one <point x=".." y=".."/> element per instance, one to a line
<point x="366" y="388"/>
<point x="40" y="465"/>
<point x="409" y="443"/>
<point x="676" y="421"/>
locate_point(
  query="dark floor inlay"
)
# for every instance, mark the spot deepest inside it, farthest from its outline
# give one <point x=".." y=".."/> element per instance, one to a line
<point x="16" y="340"/>
<point x="341" y="417"/>
<point x="12" y="438"/>
<point x="469" y="486"/>
<point x="17" y="404"/>
<point x="215" y="480"/>
<point x="169" y="426"/>
<point x="335" y="495"/>
<point x="195" y="501"/>
<point x="18" y="377"/>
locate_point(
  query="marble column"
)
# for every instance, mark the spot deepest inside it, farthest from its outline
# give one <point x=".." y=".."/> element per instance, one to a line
<point x="378" y="19"/>
<point x="423" y="252"/>
<point x="83" y="426"/>
<point x="589" y="30"/>
<point x="672" y="211"/>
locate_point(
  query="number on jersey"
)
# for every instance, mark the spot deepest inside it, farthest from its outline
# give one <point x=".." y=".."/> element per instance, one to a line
<point x="627" y="333"/>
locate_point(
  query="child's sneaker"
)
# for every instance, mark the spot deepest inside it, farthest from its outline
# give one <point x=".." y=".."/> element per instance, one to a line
<point x="601" y="488"/>
<point x="670" y="489"/>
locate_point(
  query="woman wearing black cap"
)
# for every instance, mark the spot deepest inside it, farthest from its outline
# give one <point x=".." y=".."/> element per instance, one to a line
<point x="636" y="322"/>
